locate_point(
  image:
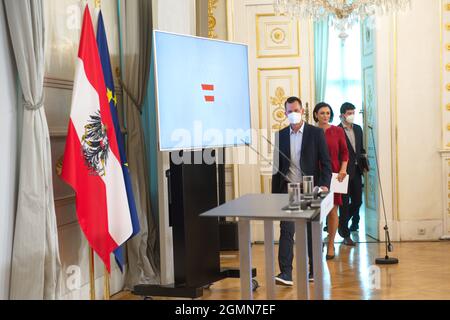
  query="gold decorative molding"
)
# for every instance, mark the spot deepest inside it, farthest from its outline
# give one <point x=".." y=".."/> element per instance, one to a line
<point x="260" y="100"/>
<point x="448" y="127"/>
<point x="448" y="46"/>
<point x="441" y="64"/>
<point x="312" y="74"/>
<point x="447" y="7"/>
<point x="277" y="35"/>
<point x="447" y="26"/>
<point x="278" y="114"/>
<point x="394" y="89"/>
<point x="212" y="22"/>
<point x="448" y="107"/>
<point x="448" y="86"/>
<point x="447" y="67"/>
<point x="269" y="182"/>
<point x="307" y="112"/>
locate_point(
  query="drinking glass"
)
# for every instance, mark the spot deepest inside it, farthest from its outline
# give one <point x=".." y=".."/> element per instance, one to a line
<point x="294" y="196"/>
<point x="308" y="187"/>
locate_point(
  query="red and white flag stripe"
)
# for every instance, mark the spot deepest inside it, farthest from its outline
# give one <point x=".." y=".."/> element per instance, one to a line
<point x="210" y="88"/>
<point x="101" y="199"/>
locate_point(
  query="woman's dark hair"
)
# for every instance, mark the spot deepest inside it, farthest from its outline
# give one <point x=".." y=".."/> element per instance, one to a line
<point x="292" y="100"/>
<point x="320" y="106"/>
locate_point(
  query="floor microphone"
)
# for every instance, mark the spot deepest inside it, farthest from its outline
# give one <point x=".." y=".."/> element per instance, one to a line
<point x="387" y="238"/>
<point x="285" y="156"/>
<point x="259" y="154"/>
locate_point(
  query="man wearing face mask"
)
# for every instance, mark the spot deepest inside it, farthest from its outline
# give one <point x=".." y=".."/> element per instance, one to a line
<point x="351" y="202"/>
<point x="307" y="150"/>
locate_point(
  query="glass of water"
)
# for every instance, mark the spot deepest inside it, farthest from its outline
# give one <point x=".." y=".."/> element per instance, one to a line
<point x="308" y="187"/>
<point x="294" y="196"/>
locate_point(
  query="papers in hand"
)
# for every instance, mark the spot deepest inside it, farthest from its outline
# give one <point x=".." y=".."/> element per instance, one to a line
<point x="339" y="187"/>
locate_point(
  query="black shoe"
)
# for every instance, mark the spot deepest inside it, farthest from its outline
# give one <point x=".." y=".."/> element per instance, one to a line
<point x="330" y="257"/>
<point x="284" y="280"/>
<point x="310" y="277"/>
<point x="325" y="229"/>
<point x="354" y="227"/>
<point x="349" y="242"/>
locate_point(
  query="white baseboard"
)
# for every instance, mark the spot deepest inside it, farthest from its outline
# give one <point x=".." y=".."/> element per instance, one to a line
<point x="421" y="230"/>
<point x="398" y="230"/>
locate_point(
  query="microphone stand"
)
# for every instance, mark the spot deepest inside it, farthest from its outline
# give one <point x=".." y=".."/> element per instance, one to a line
<point x="387" y="238"/>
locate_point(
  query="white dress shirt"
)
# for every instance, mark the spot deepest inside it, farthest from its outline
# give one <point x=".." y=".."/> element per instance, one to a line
<point x="351" y="135"/>
<point x="294" y="174"/>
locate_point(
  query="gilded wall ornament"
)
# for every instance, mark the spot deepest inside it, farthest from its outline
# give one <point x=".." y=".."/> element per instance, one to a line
<point x="212" y="22"/>
<point x="278" y="114"/>
<point x="278" y="35"/>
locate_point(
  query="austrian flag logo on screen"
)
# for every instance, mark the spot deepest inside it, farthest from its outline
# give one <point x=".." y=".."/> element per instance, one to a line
<point x="208" y="89"/>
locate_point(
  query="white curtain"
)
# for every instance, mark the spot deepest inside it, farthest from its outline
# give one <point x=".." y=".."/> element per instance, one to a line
<point x="136" y="34"/>
<point x="36" y="267"/>
<point x="321" y="37"/>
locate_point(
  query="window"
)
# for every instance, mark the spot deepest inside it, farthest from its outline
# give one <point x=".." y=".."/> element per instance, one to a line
<point x="344" y="72"/>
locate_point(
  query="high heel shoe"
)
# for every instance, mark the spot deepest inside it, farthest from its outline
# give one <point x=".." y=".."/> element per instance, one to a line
<point x="331" y="257"/>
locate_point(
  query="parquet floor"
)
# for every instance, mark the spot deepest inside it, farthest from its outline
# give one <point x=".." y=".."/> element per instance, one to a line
<point x="423" y="273"/>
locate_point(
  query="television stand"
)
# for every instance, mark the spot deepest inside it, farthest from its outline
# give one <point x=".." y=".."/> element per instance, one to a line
<point x="184" y="291"/>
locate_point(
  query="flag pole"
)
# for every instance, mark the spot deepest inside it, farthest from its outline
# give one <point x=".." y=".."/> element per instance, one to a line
<point x="107" y="293"/>
<point x="106" y="286"/>
<point x="92" y="273"/>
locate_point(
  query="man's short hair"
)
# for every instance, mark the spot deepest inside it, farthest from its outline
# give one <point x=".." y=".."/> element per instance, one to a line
<point x="292" y="100"/>
<point x="347" y="106"/>
<point x="320" y="106"/>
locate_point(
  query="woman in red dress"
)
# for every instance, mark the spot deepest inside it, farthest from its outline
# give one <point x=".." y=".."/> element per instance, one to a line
<point x="337" y="147"/>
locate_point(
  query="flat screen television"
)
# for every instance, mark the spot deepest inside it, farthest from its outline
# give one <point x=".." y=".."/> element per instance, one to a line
<point x="202" y="90"/>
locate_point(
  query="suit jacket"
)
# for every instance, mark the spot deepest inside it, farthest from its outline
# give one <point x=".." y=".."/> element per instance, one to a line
<point x="314" y="158"/>
<point x="354" y="163"/>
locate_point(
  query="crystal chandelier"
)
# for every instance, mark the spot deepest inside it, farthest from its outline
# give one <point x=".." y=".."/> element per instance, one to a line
<point x="343" y="13"/>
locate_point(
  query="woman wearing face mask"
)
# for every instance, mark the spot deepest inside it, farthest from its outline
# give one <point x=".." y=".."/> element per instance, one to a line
<point x="337" y="147"/>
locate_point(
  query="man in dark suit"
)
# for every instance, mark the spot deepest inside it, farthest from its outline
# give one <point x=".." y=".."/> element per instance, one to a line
<point x="307" y="150"/>
<point x="351" y="202"/>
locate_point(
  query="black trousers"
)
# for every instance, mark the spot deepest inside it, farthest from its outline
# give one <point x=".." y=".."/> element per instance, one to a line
<point x="351" y="202"/>
<point x="286" y="247"/>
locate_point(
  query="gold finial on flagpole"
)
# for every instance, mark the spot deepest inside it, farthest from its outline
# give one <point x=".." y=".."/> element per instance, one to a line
<point x="98" y="4"/>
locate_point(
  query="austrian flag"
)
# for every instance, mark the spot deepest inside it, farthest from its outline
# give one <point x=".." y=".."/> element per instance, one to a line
<point x="92" y="163"/>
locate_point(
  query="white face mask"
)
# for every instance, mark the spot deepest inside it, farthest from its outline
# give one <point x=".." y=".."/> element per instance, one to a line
<point x="295" y="117"/>
<point x="350" y="119"/>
